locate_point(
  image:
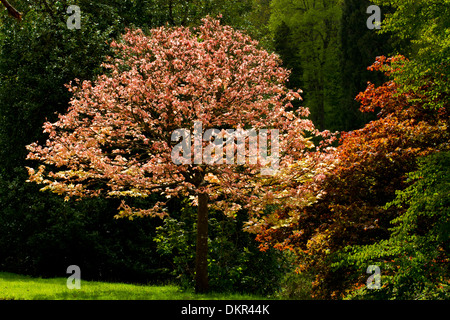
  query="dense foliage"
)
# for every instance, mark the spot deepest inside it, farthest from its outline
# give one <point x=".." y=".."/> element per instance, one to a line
<point x="372" y="164"/>
<point x="309" y="37"/>
<point x="40" y="233"/>
<point x="235" y="263"/>
<point x="415" y="258"/>
<point x="376" y="195"/>
<point x="360" y="46"/>
<point x="117" y="137"/>
<point x="350" y="227"/>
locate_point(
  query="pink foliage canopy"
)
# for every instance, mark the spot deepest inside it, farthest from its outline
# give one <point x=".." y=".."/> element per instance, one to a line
<point x="115" y="138"/>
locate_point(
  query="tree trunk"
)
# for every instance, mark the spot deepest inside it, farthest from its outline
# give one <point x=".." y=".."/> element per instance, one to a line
<point x="201" y="257"/>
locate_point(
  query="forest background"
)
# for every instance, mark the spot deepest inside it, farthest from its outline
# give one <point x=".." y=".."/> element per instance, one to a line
<point x="387" y="202"/>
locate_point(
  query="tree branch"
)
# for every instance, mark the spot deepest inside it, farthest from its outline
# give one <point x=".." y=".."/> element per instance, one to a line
<point x="11" y="10"/>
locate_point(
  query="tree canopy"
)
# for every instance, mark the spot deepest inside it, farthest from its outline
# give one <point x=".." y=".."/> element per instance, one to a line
<point x="117" y="137"/>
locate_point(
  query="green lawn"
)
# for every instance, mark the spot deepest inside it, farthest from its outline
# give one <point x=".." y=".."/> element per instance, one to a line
<point x="14" y="286"/>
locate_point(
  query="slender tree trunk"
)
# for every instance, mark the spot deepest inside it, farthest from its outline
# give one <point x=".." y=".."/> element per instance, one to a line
<point x="171" y="19"/>
<point x="201" y="258"/>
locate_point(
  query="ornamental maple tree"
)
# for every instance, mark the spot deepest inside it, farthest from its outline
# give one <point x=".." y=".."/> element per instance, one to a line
<point x="369" y="166"/>
<point x="116" y="138"/>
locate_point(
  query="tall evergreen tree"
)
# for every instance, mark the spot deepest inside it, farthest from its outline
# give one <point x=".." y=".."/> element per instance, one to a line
<point x="360" y="46"/>
<point x="311" y="29"/>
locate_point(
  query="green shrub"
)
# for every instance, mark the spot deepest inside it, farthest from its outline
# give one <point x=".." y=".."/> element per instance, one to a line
<point x="41" y="235"/>
<point x="414" y="261"/>
<point x="235" y="264"/>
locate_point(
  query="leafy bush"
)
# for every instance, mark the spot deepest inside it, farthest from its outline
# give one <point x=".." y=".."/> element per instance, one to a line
<point x="41" y="235"/>
<point x="414" y="261"/>
<point x="296" y="285"/>
<point x="235" y="264"/>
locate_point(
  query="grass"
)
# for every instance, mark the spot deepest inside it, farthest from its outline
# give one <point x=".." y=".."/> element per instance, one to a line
<point x="20" y="287"/>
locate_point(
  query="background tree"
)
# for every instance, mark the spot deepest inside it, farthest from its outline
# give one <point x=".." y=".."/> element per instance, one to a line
<point x="415" y="258"/>
<point x="41" y="234"/>
<point x="360" y="46"/>
<point x="257" y="22"/>
<point x="372" y="163"/>
<point x="415" y="267"/>
<point x="309" y="30"/>
<point x="424" y="26"/>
